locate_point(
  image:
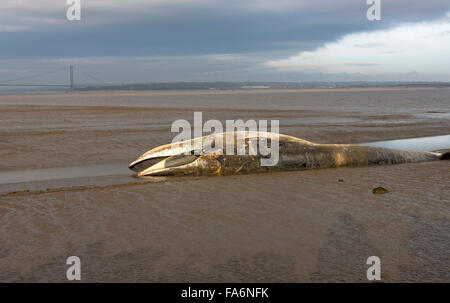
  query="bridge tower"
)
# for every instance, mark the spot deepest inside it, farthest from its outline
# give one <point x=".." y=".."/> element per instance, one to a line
<point x="71" y="77"/>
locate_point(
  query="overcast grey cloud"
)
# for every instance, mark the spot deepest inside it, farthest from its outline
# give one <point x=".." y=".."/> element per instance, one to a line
<point x="196" y="40"/>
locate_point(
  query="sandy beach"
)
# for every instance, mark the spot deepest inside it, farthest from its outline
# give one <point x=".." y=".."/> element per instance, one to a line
<point x="304" y="226"/>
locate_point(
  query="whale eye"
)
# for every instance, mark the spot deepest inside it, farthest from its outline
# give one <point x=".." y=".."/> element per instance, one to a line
<point x="196" y="152"/>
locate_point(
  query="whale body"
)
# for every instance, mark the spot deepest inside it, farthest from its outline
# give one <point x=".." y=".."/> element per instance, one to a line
<point x="192" y="158"/>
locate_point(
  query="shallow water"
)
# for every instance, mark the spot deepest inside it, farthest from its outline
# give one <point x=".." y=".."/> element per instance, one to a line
<point x="98" y="170"/>
<point x="423" y="144"/>
<point x="64" y="173"/>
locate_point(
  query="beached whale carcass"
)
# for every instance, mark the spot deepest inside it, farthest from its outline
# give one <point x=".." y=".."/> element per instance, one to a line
<point x="203" y="156"/>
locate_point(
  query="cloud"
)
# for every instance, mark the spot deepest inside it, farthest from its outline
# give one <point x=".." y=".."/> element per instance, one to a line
<point x="192" y="27"/>
<point x="222" y="67"/>
<point x="423" y="47"/>
<point x="11" y="28"/>
<point x="207" y="39"/>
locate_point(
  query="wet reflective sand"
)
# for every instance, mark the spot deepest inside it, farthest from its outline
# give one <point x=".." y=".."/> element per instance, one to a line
<point x="289" y="226"/>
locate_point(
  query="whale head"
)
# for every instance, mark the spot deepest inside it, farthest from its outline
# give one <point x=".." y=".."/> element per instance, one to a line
<point x="215" y="154"/>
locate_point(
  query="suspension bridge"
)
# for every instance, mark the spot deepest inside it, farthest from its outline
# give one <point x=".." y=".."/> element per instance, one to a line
<point x="69" y="85"/>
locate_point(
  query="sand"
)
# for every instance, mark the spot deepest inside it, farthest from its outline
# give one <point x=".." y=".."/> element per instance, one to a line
<point x="280" y="227"/>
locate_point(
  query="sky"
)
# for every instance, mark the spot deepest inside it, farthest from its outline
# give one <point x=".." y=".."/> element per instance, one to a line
<point x="142" y="41"/>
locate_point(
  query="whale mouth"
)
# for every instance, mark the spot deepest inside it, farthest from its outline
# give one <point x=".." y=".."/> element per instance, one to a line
<point x="140" y="166"/>
<point x="165" y="165"/>
<point x="168" y="165"/>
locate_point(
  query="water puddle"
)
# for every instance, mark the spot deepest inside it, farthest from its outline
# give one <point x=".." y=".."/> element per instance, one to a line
<point x="58" y="173"/>
<point x="116" y="169"/>
<point x="422" y="144"/>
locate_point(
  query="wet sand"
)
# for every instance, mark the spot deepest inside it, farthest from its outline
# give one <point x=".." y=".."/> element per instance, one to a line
<point x="280" y="227"/>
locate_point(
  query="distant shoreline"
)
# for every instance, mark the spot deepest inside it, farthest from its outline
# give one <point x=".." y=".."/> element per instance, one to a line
<point x="227" y="91"/>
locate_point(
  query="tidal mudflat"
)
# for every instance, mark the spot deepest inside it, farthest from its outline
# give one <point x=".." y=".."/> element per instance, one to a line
<point x="318" y="225"/>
